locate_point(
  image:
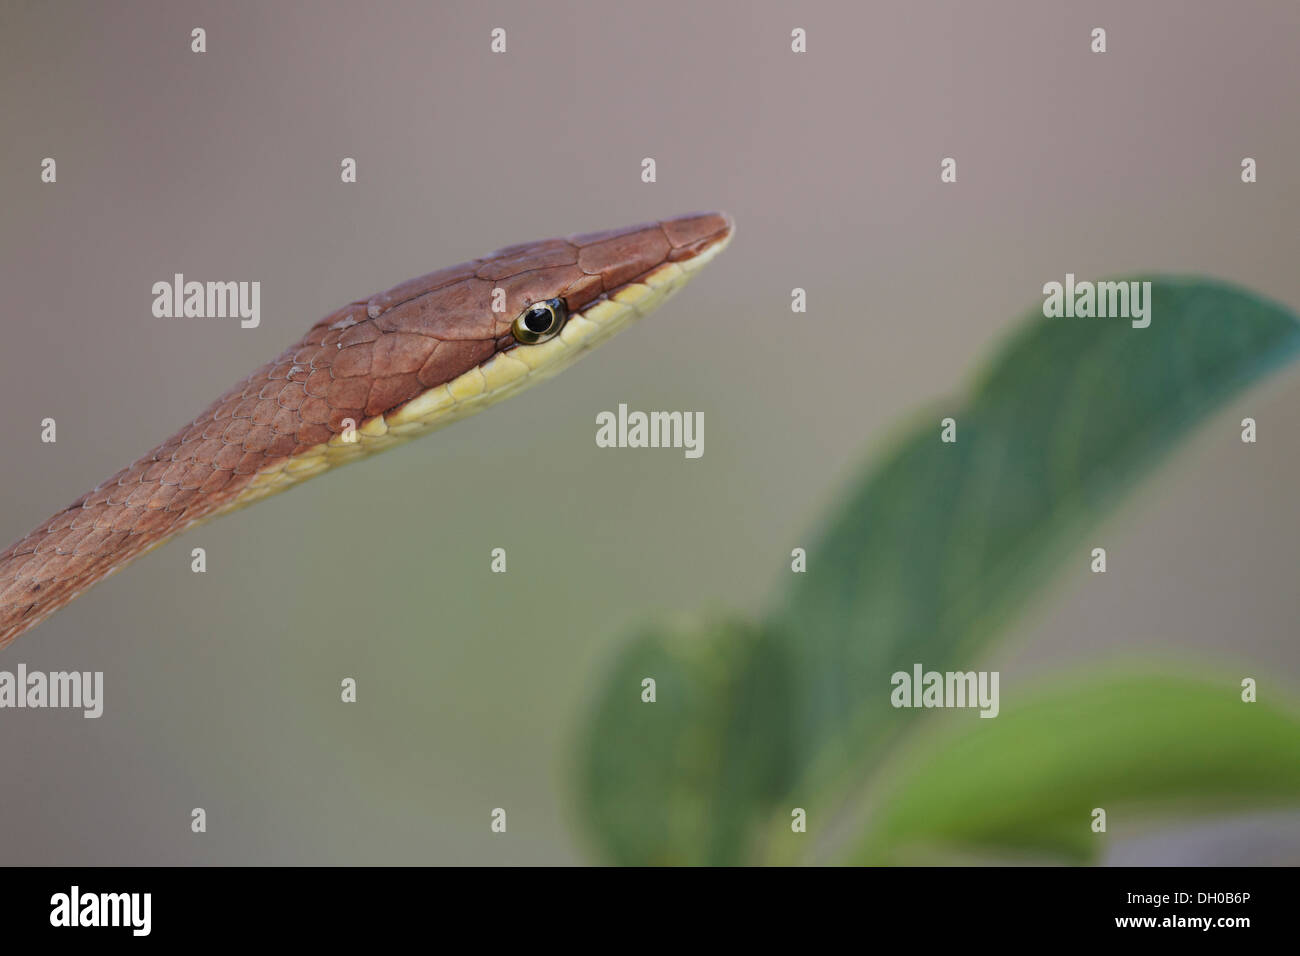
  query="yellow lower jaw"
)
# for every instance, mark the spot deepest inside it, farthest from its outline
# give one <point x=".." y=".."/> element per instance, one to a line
<point x="501" y="376"/>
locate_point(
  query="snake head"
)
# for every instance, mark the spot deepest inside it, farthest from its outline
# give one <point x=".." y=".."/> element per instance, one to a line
<point x="470" y="335"/>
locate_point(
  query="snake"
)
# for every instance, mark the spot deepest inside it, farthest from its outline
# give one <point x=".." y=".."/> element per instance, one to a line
<point x="369" y="376"/>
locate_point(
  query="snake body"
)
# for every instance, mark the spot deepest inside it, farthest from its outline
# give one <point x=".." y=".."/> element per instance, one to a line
<point x="372" y="374"/>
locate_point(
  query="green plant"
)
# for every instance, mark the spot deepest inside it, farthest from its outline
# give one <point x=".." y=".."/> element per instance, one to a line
<point x="929" y="558"/>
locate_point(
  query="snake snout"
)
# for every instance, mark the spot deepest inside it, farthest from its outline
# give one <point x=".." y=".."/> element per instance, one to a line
<point x="697" y="233"/>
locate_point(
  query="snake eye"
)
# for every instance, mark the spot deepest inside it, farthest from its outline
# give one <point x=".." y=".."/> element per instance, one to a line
<point x="540" y="321"/>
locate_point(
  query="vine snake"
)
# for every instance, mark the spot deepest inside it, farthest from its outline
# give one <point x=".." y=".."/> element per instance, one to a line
<point x="373" y="374"/>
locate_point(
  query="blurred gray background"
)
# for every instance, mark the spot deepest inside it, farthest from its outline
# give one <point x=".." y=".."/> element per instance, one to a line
<point x="222" y="689"/>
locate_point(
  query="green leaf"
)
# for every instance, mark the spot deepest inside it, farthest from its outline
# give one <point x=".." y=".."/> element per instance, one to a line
<point x="941" y="544"/>
<point x="930" y="557"/>
<point x="1027" y="781"/>
<point x="682" y="780"/>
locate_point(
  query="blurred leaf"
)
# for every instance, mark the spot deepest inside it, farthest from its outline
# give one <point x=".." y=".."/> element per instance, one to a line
<point x="929" y="558"/>
<point x="1028" y="780"/>
<point x="681" y="780"/>
<point x="941" y="544"/>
